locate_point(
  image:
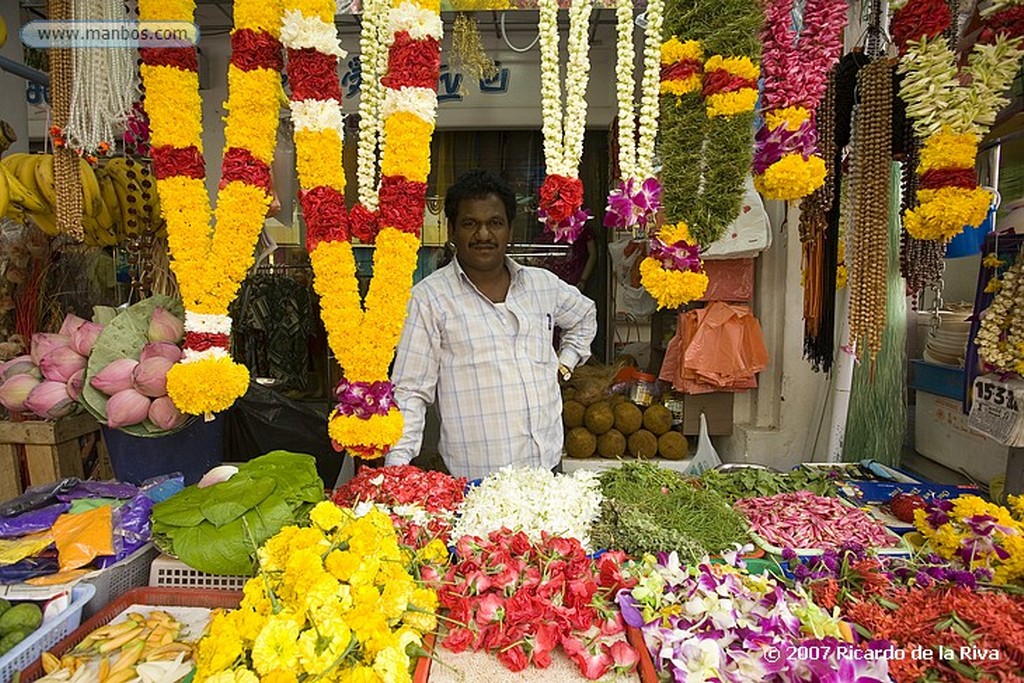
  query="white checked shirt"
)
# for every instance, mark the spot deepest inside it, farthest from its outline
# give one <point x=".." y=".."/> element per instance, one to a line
<point x="494" y="372"/>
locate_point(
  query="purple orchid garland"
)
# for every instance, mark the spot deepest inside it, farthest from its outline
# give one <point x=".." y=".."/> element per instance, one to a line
<point x="633" y="206"/>
<point x="364" y="399"/>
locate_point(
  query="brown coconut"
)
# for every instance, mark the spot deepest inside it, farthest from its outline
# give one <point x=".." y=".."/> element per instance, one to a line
<point x="628" y="418"/>
<point x="673" y="446"/>
<point x="611" y="444"/>
<point x="657" y="419"/>
<point x="599" y="418"/>
<point x="580" y="443"/>
<point x="572" y="414"/>
<point x="643" y="444"/>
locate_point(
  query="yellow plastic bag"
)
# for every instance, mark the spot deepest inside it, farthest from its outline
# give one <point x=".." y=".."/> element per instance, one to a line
<point x="14" y="550"/>
<point x="83" y="537"/>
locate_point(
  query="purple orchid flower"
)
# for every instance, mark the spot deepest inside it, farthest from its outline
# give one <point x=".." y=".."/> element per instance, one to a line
<point x="364" y="399"/>
<point x="633" y="204"/>
<point x="568" y="230"/>
<point x="770" y="145"/>
<point x="679" y="256"/>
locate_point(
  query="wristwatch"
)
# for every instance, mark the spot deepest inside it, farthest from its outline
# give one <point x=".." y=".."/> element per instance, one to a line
<point x="565" y="372"/>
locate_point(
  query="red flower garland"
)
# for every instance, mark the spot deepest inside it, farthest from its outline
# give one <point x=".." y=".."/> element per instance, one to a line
<point x="183" y="58"/>
<point x="256" y="50"/>
<point x="938" y="178"/>
<point x="918" y="19"/>
<point x="402" y="203"/>
<point x="413" y="63"/>
<point x="680" y="71"/>
<point x="721" y="81"/>
<point x="201" y="341"/>
<point x="363" y="223"/>
<point x="326" y="221"/>
<point x="240" y="164"/>
<point x="178" y="161"/>
<point x="560" y="196"/>
<point x="313" y="75"/>
<point x="1008" y="23"/>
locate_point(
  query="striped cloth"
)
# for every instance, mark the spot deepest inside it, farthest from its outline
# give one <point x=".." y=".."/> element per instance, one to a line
<point x="493" y="372"/>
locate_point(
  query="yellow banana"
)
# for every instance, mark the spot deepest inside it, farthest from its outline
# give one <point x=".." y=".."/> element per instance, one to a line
<point x="44" y="180"/>
<point x="46" y="222"/>
<point x="50" y="662"/>
<point x="12" y="161"/>
<point x="21" y="195"/>
<point x="25" y="170"/>
<point x="5" y="198"/>
<point x="90" y="188"/>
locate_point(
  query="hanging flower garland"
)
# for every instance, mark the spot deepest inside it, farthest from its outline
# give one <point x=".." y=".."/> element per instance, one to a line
<point x="786" y="160"/>
<point x="637" y="199"/>
<point x="561" y="193"/>
<point x="209" y="265"/>
<point x="1001" y="334"/>
<point x="673" y="272"/>
<point x="366" y="421"/>
<point x="953" y="107"/>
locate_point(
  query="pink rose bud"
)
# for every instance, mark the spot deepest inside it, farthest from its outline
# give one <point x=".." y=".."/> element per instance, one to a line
<point x="43" y="343"/>
<point x="164" y="326"/>
<point x="50" y="400"/>
<point x="58" y="365"/>
<point x="75" y="384"/>
<point x="84" y="338"/>
<point x="160" y="349"/>
<point x="15" y="390"/>
<point x="150" y="376"/>
<point x="22" y="365"/>
<point x="71" y="323"/>
<point x="126" y="408"/>
<point x="117" y="376"/>
<point x="164" y="414"/>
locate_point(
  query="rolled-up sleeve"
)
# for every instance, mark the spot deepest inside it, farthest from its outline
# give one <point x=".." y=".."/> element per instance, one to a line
<point x="576" y="315"/>
<point x="417" y="363"/>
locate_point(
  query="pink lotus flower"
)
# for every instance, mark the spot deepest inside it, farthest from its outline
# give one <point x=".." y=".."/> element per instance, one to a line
<point x="75" y="384"/>
<point x="126" y="408"/>
<point x="164" y="414"/>
<point x="43" y="343"/>
<point x="150" y="376"/>
<point x="71" y="323"/>
<point x="84" y="338"/>
<point x="61" y="363"/>
<point x="164" y="326"/>
<point x="22" y="365"/>
<point x="160" y="349"/>
<point x="50" y="400"/>
<point x="117" y="376"/>
<point x="15" y="391"/>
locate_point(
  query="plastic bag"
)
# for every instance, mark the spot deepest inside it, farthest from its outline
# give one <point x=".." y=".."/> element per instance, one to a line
<point x="32" y="521"/>
<point x="706" y="457"/>
<point x="15" y="550"/>
<point x="37" y="497"/>
<point x="99" y="489"/>
<point x="83" y="537"/>
<point x="27" y="569"/>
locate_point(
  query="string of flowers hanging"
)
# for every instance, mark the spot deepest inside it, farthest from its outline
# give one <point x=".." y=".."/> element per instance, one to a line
<point x="561" y="193"/>
<point x="953" y="107"/>
<point x="366" y="421"/>
<point x="637" y="199"/>
<point x="210" y="264"/>
<point x="1001" y="333"/>
<point x="787" y="164"/>
<point x="373" y="56"/>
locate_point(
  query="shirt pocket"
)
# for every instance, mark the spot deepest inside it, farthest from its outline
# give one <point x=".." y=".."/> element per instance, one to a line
<point x="539" y="339"/>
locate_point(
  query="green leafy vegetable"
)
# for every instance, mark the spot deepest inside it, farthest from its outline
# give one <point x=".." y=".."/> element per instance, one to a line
<point x="754" y="483"/>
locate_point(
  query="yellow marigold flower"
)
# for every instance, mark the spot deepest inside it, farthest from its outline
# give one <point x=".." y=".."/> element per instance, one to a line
<point x="993" y="261"/>
<point x="943" y="213"/>
<point x="280" y="676"/>
<point x="671" y="288"/>
<point x="174" y="106"/>
<point x="246" y="676"/>
<point x="324" y="10"/>
<point x="434" y="552"/>
<point x="429" y="5"/>
<point x="681" y="87"/>
<point x="219" y="677"/>
<point x="671" y="233"/>
<point x="422" y="618"/>
<point x="731" y="103"/>
<point x="358" y="674"/>
<point x="327" y="515"/>
<point x="250" y="123"/>
<point x="407" y="152"/>
<point x="673" y="50"/>
<point x="993" y="285"/>
<point x="206" y="386"/>
<point x="791" y="117"/>
<point x="741" y="67"/>
<point x="948" y="150"/>
<point x="342" y="564"/>
<point x="392" y="665"/>
<point x="259" y="15"/>
<point x="791" y="177"/>
<point x="220" y="647"/>
<point x="842" y="276"/>
<point x="319" y="650"/>
<point x="276" y="647"/>
<point x="248" y="623"/>
<point x="380" y="432"/>
<point x="1016" y="504"/>
<point x="167" y="10"/>
<point x="318" y="159"/>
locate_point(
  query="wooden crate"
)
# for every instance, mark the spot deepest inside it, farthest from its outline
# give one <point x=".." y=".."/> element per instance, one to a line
<point x="51" y="450"/>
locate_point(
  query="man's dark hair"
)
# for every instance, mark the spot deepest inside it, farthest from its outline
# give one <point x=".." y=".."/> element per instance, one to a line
<point x="477" y="184"/>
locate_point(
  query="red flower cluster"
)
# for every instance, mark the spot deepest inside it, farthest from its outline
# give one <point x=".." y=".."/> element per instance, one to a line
<point x="413" y="63"/>
<point x="201" y="341"/>
<point x="916" y="19"/>
<point x="560" y="197"/>
<point x="240" y="165"/>
<point x="679" y="71"/>
<point x="1009" y="23"/>
<point x="402" y="203"/>
<point x="522" y="600"/>
<point x="171" y="161"/>
<point x="363" y="224"/>
<point x="183" y="58"/>
<point x="313" y="75"/>
<point x="721" y="81"/>
<point x="256" y="50"/>
<point x="324" y="210"/>
<point x="938" y="178"/>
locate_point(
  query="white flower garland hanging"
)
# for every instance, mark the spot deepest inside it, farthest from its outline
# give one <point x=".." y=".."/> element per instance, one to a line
<point x="561" y="194"/>
<point x="373" y="47"/>
<point x="635" y="202"/>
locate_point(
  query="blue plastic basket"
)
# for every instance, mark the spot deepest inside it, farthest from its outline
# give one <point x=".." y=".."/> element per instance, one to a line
<point x="46" y="636"/>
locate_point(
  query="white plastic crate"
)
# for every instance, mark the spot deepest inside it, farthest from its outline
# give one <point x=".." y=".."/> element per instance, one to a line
<point x="46" y="636"/>
<point x="119" y="578"/>
<point x="168" y="572"/>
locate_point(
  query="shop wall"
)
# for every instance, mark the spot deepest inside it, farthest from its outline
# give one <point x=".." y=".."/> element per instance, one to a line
<point x="12" y="104"/>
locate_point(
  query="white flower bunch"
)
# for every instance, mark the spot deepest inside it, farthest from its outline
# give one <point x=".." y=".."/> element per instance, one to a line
<point x="532" y="501"/>
<point x="1000" y="336"/>
<point x="374" y="42"/>
<point x="563" y="133"/>
<point x="418" y="21"/>
<point x="421" y="102"/>
<point x="317" y="116"/>
<point x="637" y="160"/>
<point x="299" y="31"/>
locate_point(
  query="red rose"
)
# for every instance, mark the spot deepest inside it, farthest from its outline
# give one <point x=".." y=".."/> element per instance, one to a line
<point x="324" y="210"/>
<point x="514" y="658"/>
<point x="240" y="165"/>
<point x="520" y="543"/>
<point x="413" y="63"/>
<point x="313" y="75"/>
<point x="612" y="624"/>
<point x="560" y="197"/>
<point x="363" y="223"/>
<point x="183" y="58"/>
<point x="458" y="639"/>
<point x="572" y="646"/>
<point x="583" y="617"/>
<point x="169" y="162"/>
<point x="256" y="50"/>
<point x="544" y="643"/>
<point x="402" y="203"/>
<point x="490" y="609"/>
<point x="624" y="657"/>
<point x="477" y="582"/>
<point x="593" y="665"/>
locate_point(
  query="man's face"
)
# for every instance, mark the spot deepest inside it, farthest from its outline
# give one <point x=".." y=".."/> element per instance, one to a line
<point x="480" y="232"/>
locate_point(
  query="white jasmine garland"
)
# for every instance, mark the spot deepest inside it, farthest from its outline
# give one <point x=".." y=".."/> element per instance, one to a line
<point x="420" y="102"/>
<point x="624" y="86"/>
<point x="207" y="323"/>
<point x="563" y="133"/>
<point x="212" y="353"/>
<point x="299" y="31"/>
<point x="650" y="89"/>
<point x="373" y="45"/>
<point x="532" y="501"/>
<point x="637" y="160"/>
<point x="420" y="23"/>
<point x="317" y="116"/>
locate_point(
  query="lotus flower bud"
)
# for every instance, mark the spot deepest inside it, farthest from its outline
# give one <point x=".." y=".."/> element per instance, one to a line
<point x="71" y="323"/>
<point x="164" y="414"/>
<point x="22" y="365"/>
<point x="164" y="326"/>
<point x="84" y="338"/>
<point x="217" y="475"/>
<point x="75" y="384"/>
<point x="150" y="376"/>
<point x="50" y="400"/>
<point x="58" y="365"/>
<point x="160" y="349"/>
<point x="42" y="344"/>
<point x="126" y="408"/>
<point x="117" y="376"/>
<point x="15" y="390"/>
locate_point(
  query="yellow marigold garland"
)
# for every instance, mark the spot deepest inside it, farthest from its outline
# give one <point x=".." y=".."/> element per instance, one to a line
<point x="407" y="156"/>
<point x="680" y="66"/>
<point x="732" y="103"/>
<point x="174" y="107"/>
<point x="672" y="287"/>
<point x="791" y="117"/>
<point x="942" y="214"/>
<point x="212" y="384"/>
<point x="318" y="159"/>
<point x="791" y="176"/>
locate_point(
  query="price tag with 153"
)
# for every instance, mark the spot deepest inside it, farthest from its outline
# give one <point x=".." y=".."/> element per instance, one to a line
<point x="996" y="409"/>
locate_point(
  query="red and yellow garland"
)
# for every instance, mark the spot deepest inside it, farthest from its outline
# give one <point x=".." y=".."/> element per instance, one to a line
<point x="366" y="421"/>
<point x="210" y="264"/>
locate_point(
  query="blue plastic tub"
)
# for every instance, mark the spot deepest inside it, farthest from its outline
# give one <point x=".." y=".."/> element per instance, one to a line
<point x="193" y="451"/>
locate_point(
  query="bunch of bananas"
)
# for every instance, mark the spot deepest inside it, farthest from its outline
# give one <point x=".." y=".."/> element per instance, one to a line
<point x="119" y="197"/>
<point x="122" y="649"/>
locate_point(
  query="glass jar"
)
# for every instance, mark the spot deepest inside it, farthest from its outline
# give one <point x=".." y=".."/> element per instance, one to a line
<point x="642" y="392"/>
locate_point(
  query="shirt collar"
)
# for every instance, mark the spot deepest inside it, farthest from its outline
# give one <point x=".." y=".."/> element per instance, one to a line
<point x="514" y="269"/>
